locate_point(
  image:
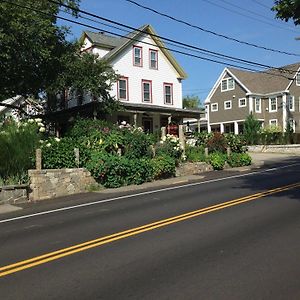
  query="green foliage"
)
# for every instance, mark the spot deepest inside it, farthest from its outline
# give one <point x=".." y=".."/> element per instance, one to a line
<point x="59" y="154"/>
<point x="236" y="142"/>
<point x="114" y="171"/>
<point x="32" y="46"/>
<point x="239" y="159"/>
<point x="194" y="154"/>
<point x="169" y="146"/>
<point x="217" y="143"/>
<point x="203" y="138"/>
<point x="217" y="160"/>
<point x="287" y="9"/>
<point x="17" y="149"/>
<point x="251" y="130"/>
<point x="191" y="102"/>
<point x="271" y="135"/>
<point x="163" y="166"/>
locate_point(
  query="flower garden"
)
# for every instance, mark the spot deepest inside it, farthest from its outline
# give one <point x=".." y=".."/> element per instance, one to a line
<point x="116" y="155"/>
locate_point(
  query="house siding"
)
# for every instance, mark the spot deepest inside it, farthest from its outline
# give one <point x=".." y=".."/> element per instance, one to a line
<point x="123" y="65"/>
<point x="294" y="90"/>
<point x="236" y="112"/>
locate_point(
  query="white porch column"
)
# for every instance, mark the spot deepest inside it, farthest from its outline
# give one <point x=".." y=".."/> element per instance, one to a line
<point x="236" y="128"/>
<point x="251" y="100"/>
<point x="284" y="112"/>
<point x="135" y="119"/>
<point x="169" y="119"/>
<point x="208" y="128"/>
<point x="222" y="127"/>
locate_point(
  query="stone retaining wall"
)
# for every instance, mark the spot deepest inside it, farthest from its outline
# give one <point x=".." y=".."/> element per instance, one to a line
<point x="13" y="194"/>
<point x="194" y="168"/>
<point x="51" y="183"/>
<point x="292" y="149"/>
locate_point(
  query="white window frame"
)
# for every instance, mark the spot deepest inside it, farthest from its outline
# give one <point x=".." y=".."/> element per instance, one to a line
<point x="151" y="60"/>
<point x="227" y="84"/>
<point x="212" y="107"/>
<point x="149" y="83"/>
<point x="288" y="104"/>
<point x="298" y="78"/>
<point x="255" y="106"/>
<point x="273" y="120"/>
<point x="270" y="104"/>
<point x="126" y="89"/>
<point x="293" y="123"/>
<point x="139" y="57"/>
<point x="225" y="104"/>
<point x="240" y="105"/>
<point x="170" y="85"/>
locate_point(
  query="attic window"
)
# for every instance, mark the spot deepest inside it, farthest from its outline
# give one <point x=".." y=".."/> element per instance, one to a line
<point x="227" y="84"/>
<point x="137" y="56"/>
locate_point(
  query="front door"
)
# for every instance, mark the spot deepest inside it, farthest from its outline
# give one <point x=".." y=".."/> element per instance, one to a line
<point x="147" y="124"/>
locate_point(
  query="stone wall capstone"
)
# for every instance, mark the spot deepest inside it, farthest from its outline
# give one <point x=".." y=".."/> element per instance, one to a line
<point x="51" y="183"/>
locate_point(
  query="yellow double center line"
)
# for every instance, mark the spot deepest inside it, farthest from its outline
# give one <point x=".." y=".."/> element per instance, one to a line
<point x="38" y="260"/>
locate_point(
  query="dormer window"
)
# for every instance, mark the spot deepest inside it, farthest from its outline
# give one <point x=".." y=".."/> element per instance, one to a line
<point x="137" y="56"/>
<point x="227" y="84"/>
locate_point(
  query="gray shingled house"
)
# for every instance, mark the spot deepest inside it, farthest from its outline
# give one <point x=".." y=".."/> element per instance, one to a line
<point x="273" y="96"/>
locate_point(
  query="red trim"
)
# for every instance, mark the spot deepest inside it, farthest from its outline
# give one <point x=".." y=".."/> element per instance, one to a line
<point x="156" y="51"/>
<point x="150" y="90"/>
<point x="133" y="57"/>
<point x="171" y="85"/>
<point x="127" y="90"/>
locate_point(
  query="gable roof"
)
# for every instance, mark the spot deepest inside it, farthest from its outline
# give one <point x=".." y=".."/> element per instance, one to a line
<point x="261" y="83"/>
<point x="117" y="45"/>
<point x="269" y="81"/>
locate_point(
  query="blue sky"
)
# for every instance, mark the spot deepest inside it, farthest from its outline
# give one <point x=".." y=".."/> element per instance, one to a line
<point x="248" y="20"/>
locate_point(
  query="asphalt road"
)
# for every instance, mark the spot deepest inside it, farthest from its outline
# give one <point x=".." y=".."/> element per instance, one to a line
<point x="183" y="242"/>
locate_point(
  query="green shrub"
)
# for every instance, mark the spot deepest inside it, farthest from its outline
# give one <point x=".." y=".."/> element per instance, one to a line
<point x="236" y="142"/>
<point x="217" y="160"/>
<point x="17" y="150"/>
<point x="169" y="146"/>
<point x="217" y="143"/>
<point x="57" y="154"/>
<point x="114" y="171"/>
<point x="251" y="130"/>
<point x="163" y="166"/>
<point x="203" y="138"/>
<point x="239" y="159"/>
<point x="194" y="154"/>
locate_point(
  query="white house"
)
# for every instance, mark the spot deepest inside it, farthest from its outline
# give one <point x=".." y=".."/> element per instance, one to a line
<point x="150" y="86"/>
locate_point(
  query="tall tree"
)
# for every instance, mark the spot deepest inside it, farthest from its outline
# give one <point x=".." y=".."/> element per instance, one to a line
<point x="191" y="102"/>
<point x="287" y="9"/>
<point x="37" y="59"/>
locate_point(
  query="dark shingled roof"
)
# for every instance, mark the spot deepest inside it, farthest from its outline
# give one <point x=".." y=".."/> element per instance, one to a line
<point x="101" y="39"/>
<point x="265" y="83"/>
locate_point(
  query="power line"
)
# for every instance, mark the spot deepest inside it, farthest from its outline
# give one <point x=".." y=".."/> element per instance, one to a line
<point x="259" y="3"/>
<point x="129" y="38"/>
<point x="223" y="56"/>
<point x="210" y="31"/>
<point x="249" y="17"/>
<point x="249" y="11"/>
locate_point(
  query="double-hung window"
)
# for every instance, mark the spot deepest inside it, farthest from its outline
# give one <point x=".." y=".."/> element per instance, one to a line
<point x="257" y="105"/>
<point x="272" y="104"/>
<point x="273" y="122"/>
<point x="137" y="56"/>
<point x="153" y="55"/>
<point x="227" y="84"/>
<point x="214" y="107"/>
<point x="123" y="88"/>
<point x="168" y="93"/>
<point x="147" y="90"/>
